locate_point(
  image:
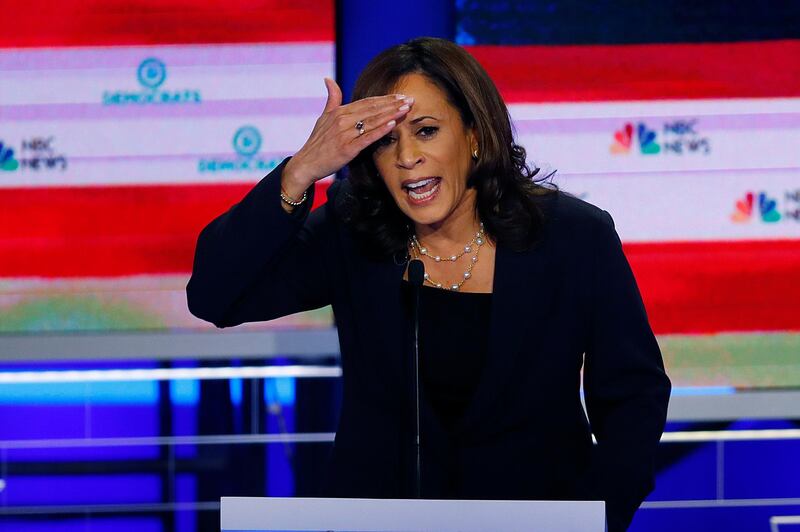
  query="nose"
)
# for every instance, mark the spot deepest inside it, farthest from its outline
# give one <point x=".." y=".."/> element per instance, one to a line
<point x="408" y="155"/>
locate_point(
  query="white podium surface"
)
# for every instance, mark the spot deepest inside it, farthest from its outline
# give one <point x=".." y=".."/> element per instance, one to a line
<point x="276" y="514"/>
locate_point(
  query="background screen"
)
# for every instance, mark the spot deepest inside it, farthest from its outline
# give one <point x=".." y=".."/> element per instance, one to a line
<point x="682" y="120"/>
<point x="125" y="127"/>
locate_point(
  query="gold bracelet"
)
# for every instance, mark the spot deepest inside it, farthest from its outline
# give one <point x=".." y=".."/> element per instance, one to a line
<point x="290" y="201"/>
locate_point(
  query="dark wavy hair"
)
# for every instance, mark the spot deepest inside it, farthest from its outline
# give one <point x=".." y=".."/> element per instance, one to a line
<point x="506" y="189"/>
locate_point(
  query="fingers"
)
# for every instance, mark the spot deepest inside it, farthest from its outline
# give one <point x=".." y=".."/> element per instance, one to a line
<point x="334" y="95"/>
<point x="371" y="105"/>
<point x="392" y="113"/>
<point x="377" y="126"/>
<point x="368" y="107"/>
<point x="381" y="113"/>
<point x="373" y="135"/>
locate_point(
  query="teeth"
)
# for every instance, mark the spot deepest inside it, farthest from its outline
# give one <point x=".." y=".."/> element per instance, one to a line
<point x="420" y="183"/>
<point x="424" y="195"/>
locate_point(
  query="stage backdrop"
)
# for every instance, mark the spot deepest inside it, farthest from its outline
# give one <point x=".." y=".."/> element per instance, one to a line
<point x="124" y="129"/>
<point x="683" y="121"/>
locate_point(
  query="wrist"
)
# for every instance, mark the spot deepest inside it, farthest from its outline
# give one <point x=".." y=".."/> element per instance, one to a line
<point x="292" y="182"/>
<point x="293" y="188"/>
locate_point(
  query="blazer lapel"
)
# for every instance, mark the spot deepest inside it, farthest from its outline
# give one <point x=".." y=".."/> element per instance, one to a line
<point x="523" y="290"/>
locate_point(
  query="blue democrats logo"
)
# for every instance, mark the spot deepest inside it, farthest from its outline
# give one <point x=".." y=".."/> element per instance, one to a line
<point x="246" y="145"/>
<point x="151" y="74"/>
<point x="247" y="141"/>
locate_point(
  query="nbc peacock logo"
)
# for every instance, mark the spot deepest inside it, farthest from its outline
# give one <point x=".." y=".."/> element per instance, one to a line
<point x="645" y="138"/>
<point x="7" y="161"/>
<point x="677" y="137"/>
<point x="767" y="208"/>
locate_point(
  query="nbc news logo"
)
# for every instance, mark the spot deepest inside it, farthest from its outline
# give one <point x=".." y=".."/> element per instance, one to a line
<point x="7" y="161"/>
<point x="678" y="137"/>
<point x="765" y="208"/>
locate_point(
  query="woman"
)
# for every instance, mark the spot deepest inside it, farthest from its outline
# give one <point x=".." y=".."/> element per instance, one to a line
<point x="524" y="286"/>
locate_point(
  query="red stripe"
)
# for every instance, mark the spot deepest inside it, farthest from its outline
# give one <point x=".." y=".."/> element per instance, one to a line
<point x="643" y="71"/>
<point x="110" y="231"/>
<point x="41" y="23"/>
<point x="703" y="287"/>
<point x="115" y="231"/>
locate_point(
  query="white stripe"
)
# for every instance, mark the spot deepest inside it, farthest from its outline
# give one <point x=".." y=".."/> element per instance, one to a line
<point x="91" y="151"/>
<point x="723" y="503"/>
<point x="730" y="435"/>
<point x="776" y="520"/>
<point x="172" y="136"/>
<point x="160" y="374"/>
<point x="214" y="82"/>
<point x="760" y="143"/>
<point x="642" y="109"/>
<point x="730" y="149"/>
<point x="110" y="508"/>
<point x="689" y="206"/>
<point x="111" y="173"/>
<point x="220" y="439"/>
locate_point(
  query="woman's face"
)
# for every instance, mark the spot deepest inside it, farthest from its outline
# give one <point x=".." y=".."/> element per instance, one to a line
<point x="431" y="147"/>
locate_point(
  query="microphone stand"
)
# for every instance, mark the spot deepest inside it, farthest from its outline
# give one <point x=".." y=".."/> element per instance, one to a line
<point x="416" y="276"/>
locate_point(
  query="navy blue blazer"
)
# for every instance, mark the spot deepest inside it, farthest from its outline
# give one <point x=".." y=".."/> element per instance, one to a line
<point x="568" y="303"/>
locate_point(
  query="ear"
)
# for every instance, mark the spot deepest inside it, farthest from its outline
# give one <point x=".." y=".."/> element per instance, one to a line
<point x="474" y="145"/>
<point x="473" y="139"/>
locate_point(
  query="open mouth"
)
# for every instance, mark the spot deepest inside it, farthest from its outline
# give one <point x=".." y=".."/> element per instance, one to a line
<point x="423" y="190"/>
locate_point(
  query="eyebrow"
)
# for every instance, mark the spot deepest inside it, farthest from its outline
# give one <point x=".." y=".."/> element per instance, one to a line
<point x="421" y="118"/>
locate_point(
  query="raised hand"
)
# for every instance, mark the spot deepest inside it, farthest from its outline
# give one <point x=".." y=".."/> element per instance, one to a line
<point x="336" y="138"/>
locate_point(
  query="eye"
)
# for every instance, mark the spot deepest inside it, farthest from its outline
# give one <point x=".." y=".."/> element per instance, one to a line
<point x="383" y="141"/>
<point x="428" y="131"/>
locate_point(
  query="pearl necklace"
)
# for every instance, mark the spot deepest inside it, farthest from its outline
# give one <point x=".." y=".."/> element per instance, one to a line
<point x="473" y="245"/>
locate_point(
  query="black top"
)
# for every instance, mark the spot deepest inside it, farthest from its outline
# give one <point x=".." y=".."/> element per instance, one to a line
<point x="453" y="341"/>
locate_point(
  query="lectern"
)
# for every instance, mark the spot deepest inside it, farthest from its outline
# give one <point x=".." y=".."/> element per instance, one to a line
<point x="273" y="514"/>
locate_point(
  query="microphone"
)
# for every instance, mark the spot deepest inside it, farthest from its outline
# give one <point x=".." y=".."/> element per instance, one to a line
<point x="416" y="276"/>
